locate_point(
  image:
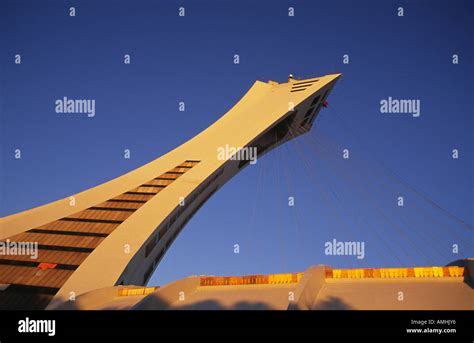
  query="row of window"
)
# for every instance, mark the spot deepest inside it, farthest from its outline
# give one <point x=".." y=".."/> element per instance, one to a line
<point x="160" y="182"/>
<point x="311" y="113"/>
<point x="270" y="138"/>
<point x="161" y="233"/>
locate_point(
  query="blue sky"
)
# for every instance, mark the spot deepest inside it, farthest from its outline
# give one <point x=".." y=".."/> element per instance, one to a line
<point x="190" y="59"/>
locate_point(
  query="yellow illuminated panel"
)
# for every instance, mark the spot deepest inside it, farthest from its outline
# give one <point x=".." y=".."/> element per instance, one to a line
<point x="125" y="292"/>
<point x="388" y="273"/>
<point x="251" y="279"/>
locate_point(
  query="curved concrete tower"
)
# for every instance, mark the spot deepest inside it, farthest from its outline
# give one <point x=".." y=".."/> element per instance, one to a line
<point x="117" y="233"/>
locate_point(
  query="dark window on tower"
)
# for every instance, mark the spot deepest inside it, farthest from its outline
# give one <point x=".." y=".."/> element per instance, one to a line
<point x="158" y="258"/>
<point x="150" y="246"/>
<point x="308" y="113"/>
<point x="303" y="123"/>
<point x="315" y="101"/>
<point x="148" y="274"/>
<point x="272" y="136"/>
<point x="164" y="230"/>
